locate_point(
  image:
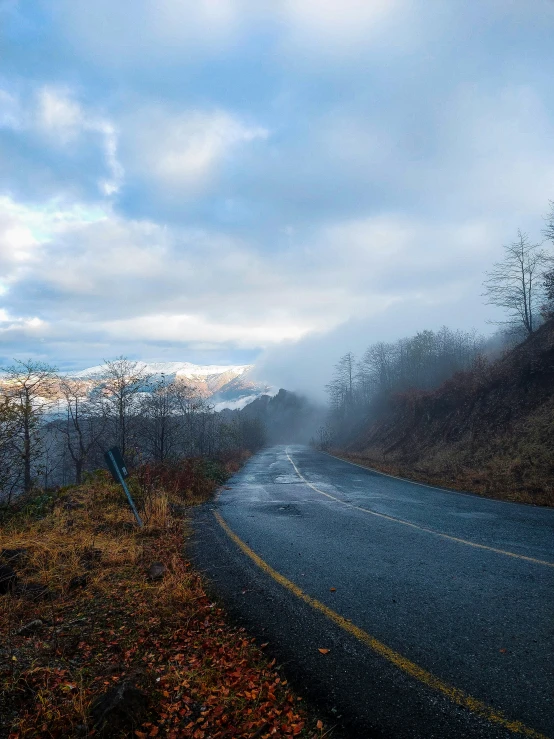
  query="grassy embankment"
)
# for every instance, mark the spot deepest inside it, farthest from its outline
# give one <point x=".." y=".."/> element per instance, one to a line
<point x="86" y="619"/>
<point x="512" y="461"/>
<point x="492" y="481"/>
<point x="489" y="430"/>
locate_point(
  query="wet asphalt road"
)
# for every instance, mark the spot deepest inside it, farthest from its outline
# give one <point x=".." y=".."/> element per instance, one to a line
<point x="478" y="620"/>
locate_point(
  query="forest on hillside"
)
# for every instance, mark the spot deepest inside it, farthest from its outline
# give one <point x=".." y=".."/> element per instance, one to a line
<point x="456" y="408"/>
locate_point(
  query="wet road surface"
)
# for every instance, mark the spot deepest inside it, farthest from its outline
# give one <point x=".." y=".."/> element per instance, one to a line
<point x="436" y="607"/>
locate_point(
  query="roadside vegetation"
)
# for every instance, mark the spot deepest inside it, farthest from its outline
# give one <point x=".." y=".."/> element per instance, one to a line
<point x="55" y="428"/>
<point x="107" y="629"/>
<point x="454" y="409"/>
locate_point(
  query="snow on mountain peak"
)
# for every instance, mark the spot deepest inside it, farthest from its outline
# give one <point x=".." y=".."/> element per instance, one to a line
<point x="226" y="384"/>
<point x="179" y="369"/>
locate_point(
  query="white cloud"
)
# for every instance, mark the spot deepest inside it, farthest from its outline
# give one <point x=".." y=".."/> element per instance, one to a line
<point x="340" y="21"/>
<point x="58" y="114"/>
<point x="250" y="332"/>
<point x="121" y="285"/>
<point x="10" y="324"/>
<point x="135" y="281"/>
<point x="17" y="241"/>
<point x="64" y="120"/>
<point x="111" y="185"/>
<point x="64" y="123"/>
<point x="183" y="151"/>
<point x="23" y="229"/>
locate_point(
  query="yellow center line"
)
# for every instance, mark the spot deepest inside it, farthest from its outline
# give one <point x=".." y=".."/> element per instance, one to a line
<point x="457" y="696"/>
<point x="416" y="526"/>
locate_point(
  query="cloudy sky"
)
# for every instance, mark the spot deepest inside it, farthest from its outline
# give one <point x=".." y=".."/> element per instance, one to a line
<point x="262" y="180"/>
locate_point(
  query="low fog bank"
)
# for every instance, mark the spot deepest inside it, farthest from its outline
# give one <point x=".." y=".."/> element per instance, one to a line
<point x="306" y="366"/>
<point x="285" y="418"/>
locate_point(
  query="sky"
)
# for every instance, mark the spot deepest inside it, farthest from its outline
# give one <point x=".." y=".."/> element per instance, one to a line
<point x="237" y="181"/>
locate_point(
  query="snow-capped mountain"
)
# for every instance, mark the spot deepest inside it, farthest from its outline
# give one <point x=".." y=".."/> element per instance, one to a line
<point x="177" y="369"/>
<point x="225" y="385"/>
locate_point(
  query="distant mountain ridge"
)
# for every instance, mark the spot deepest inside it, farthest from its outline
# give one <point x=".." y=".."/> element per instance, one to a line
<point x="225" y="385"/>
<point x="179" y="369"/>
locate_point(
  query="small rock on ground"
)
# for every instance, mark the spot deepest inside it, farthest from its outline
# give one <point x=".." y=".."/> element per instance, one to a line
<point x="119" y="708"/>
<point x="156" y="571"/>
<point x="31" y="627"/>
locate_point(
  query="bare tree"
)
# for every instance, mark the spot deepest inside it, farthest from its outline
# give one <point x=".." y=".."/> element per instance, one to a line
<point x="120" y="385"/>
<point x="83" y="425"/>
<point x="162" y="424"/>
<point x="516" y="283"/>
<point x="10" y="474"/>
<point x="30" y="386"/>
<point x="193" y="409"/>
<point x="341" y="387"/>
<point x="379" y="366"/>
<point x="547" y="309"/>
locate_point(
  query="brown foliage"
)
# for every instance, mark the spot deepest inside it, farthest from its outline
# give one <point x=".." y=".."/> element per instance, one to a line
<point x="107" y="624"/>
<point x="192" y="480"/>
<point x="488" y="430"/>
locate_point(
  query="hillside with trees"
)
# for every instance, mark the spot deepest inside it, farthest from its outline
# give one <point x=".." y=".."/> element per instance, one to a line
<point x="456" y="409"/>
<point x="285" y="418"/>
<point x="56" y="428"/>
<point x="488" y="429"/>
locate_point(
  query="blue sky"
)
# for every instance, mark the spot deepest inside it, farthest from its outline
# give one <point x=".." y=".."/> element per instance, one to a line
<point x="240" y="180"/>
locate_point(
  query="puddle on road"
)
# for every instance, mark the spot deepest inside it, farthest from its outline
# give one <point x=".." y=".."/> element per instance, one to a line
<point x="286" y="480"/>
<point x="281" y="509"/>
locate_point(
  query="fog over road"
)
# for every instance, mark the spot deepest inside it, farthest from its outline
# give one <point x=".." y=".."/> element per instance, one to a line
<point x="436" y="607"/>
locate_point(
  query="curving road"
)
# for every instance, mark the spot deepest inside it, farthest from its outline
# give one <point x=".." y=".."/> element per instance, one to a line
<point x="437" y="607"/>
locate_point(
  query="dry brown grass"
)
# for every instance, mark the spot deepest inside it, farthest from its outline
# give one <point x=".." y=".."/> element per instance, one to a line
<point x="156" y="512"/>
<point x="202" y="677"/>
<point x="496" y="479"/>
<point x="487" y="431"/>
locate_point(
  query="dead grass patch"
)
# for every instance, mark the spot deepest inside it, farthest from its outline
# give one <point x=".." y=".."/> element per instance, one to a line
<point x="496" y="479"/>
<point x="104" y="622"/>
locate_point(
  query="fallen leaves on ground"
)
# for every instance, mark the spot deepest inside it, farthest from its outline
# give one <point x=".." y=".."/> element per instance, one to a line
<point x="204" y="678"/>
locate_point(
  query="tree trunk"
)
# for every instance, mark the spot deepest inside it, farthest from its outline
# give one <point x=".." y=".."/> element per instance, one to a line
<point x="27" y="480"/>
<point x="78" y="471"/>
